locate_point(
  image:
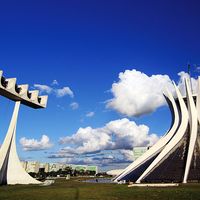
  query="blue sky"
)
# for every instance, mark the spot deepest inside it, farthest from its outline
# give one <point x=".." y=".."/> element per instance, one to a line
<point x="84" y="45"/>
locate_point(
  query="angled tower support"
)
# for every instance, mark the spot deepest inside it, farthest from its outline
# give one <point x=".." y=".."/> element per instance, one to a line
<point x="11" y="170"/>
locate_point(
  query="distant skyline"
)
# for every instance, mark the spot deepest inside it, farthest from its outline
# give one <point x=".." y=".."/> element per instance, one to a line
<point x="104" y="65"/>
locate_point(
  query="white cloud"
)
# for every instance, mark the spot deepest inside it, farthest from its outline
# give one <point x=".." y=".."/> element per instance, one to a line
<point x="54" y="82"/>
<point x="35" y="145"/>
<point x="78" y="161"/>
<point x="127" y="134"/>
<point x="181" y="82"/>
<point x="128" y="154"/>
<point x="63" y="92"/>
<point x="109" y="146"/>
<point x="60" y="92"/>
<point x="136" y="93"/>
<point x="106" y="159"/>
<point x="74" y="105"/>
<point x="90" y="114"/>
<point x="43" y="88"/>
<point x="113" y="159"/>
<point x="87" y="140"/>
<point x="118" y="134"/>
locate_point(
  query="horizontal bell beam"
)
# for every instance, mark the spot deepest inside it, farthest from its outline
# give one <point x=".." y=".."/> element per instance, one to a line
<point x="14" y="92"/>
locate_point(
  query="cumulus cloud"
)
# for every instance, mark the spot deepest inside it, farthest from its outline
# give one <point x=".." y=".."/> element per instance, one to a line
<point x="181" y="82"/>
<point x="128" y="154"/>
<point x="43" y="88"/>
<point x="58" y="92"/>
<point x="110" y="145"/>
<point x="78" y="160"/>
<point x="137" y="94"/>
<point x="54" y="82"/>
<point x="114" y="159"/>
<point x="134" y="94"/>
<point x="63" y="92"/>
<point x="74" y="105"/>
<point x="117" y="134"/>
<point x="35" y="145"/>
<point x="90" y="114"/>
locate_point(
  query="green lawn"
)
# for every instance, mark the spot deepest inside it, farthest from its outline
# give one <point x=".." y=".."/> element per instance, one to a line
<point x="74" y="190"/>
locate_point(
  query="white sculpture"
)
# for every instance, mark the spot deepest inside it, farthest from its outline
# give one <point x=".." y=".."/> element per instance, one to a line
<point x="11" y="170"/>
<point x="171" y="158"/>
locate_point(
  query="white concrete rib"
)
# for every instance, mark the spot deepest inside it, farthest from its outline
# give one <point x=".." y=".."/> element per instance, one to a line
<point x="173" y="142"/>
<point x="198" y="101"/>
<point x="155" y="149"/>
<point x="193" y="129"/>
<point x="198" y="107"/>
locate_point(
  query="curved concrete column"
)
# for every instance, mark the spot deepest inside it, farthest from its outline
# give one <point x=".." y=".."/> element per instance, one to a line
<point x="174" y="141"/>
<point x="155" y="149"/>
<point x="193" y="129"/>
<point x="198" y="101"/>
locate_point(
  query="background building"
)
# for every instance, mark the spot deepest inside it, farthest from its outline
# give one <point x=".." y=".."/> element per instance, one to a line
<point x="85" y="168"/>
<point x="35" y="167"/>
<point x="32" y="166"/>
<point x="44" y="167"/>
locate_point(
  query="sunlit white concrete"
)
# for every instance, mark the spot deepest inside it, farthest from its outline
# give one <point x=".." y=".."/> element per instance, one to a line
<point x="11" y="170"/>
<point x="186" y="118"/>
<point x="10" y="89"/>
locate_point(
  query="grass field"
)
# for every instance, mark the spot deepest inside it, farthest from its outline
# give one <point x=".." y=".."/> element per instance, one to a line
<point x="75" y="190"/>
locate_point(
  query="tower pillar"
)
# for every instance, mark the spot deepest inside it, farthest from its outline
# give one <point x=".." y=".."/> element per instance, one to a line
<point x="11" y="170"/>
